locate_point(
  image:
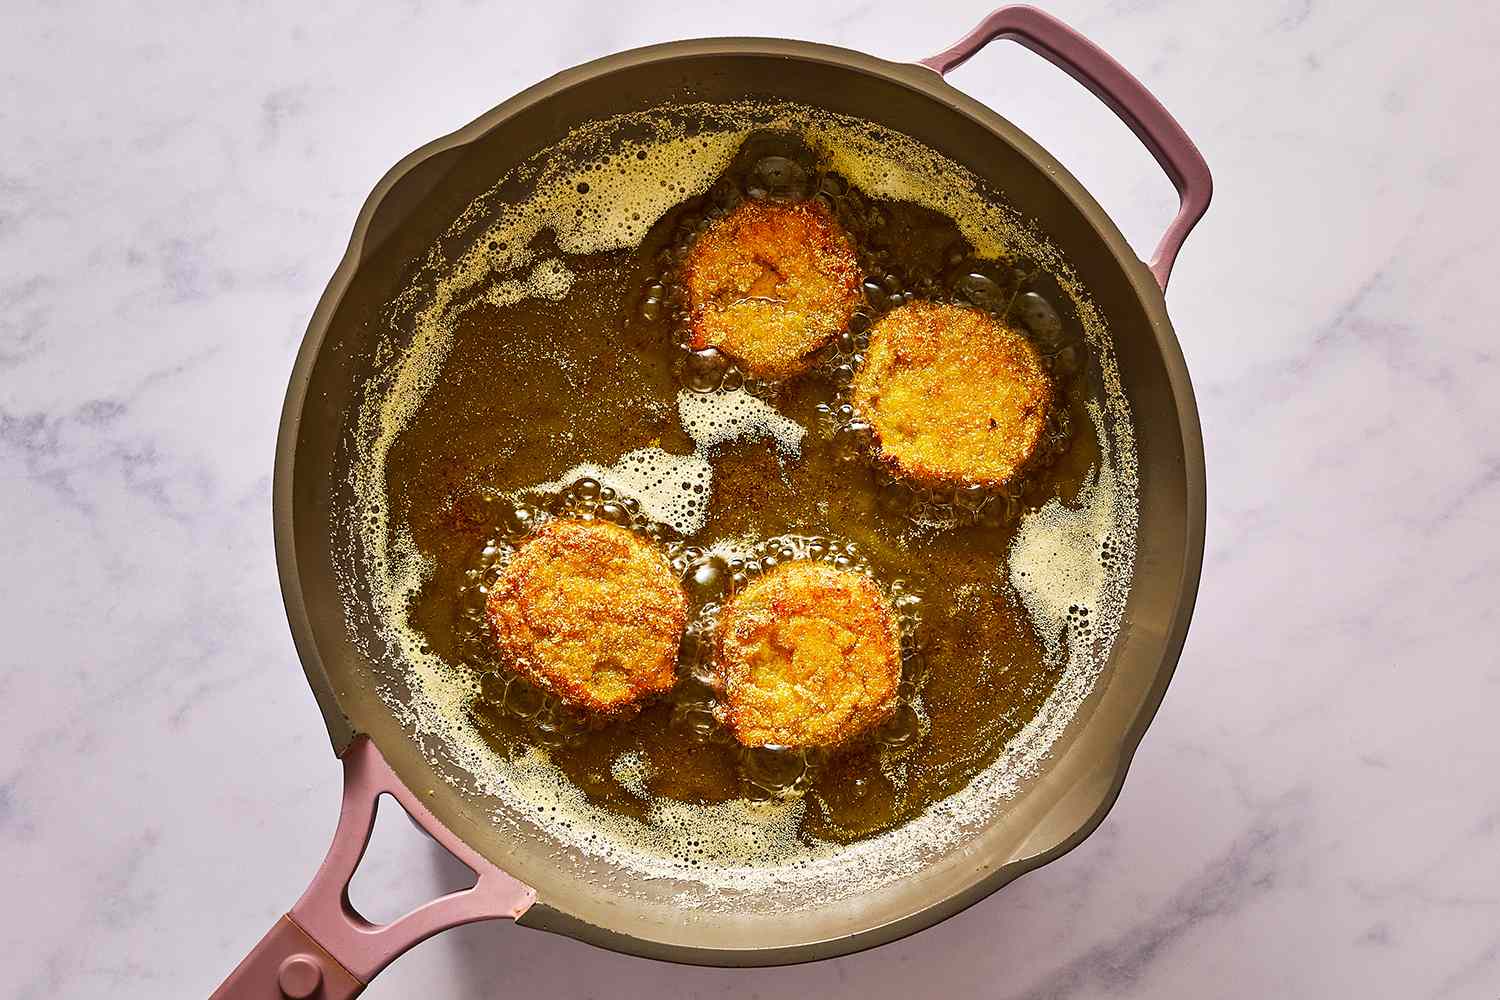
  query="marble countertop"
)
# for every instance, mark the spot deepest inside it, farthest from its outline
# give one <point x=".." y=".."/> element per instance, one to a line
<point x="1316" y="811"/>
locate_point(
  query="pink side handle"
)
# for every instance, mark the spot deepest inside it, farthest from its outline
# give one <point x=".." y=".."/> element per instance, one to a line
<point x="323" y="948"/>
<point x="1124" y="94"/>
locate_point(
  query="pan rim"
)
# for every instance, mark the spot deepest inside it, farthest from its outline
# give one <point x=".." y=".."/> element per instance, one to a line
<point x="929" y="84"/>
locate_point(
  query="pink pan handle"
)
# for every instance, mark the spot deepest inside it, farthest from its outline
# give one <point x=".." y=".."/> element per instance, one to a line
<point x="1111" y="83"/>
<point x="323" y="949"/>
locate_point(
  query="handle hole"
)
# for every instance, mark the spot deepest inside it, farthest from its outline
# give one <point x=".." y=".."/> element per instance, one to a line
<point x="403" y="867"/>
<point x="1080" y="131"/>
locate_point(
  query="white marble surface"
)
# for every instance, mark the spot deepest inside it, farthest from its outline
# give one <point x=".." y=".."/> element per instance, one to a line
<point x="1316" y="811"/>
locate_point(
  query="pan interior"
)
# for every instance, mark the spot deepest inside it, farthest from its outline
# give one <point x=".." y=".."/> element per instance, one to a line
<point x="529" y="239"/>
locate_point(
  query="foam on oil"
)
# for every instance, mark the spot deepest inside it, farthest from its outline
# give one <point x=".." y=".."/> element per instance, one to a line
<point x="714" y="419"/>
<point x="675" y="489"/>
<point x="1055" y="563"/>
<point x="610" y="203"/>
<point x="671" y="489"/>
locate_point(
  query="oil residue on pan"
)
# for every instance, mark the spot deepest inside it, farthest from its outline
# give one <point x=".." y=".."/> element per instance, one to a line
<point x="533" y="371"/>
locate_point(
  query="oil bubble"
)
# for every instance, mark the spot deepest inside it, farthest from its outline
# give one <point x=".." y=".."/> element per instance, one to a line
<point x="703" y="371"/>
<point x="777" y="178"/>
<point x="708" y="576"/>
<point x="1040" y="318"/>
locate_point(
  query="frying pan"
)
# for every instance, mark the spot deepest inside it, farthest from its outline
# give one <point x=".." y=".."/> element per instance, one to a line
<point x="322" y="947"/>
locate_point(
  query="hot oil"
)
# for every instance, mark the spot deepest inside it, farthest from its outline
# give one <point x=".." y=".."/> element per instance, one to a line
<point x="533" y="388"/>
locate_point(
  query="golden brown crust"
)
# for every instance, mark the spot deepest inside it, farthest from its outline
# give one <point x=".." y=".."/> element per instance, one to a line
<point x="769" y="284"/>
<point x="810" y="656"/>
<point x="592" y="612"/>
<point x="954" y="395"/>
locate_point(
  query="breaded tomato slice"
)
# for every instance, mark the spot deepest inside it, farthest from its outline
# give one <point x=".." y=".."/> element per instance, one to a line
<point x="592" y="612"/>
<point x="809" y="655"/>
<point x="769" y="284"/>
<point x="954" y="395"/>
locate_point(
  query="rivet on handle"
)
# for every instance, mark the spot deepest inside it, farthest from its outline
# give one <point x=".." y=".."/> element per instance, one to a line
<point x="299" y="977"/>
